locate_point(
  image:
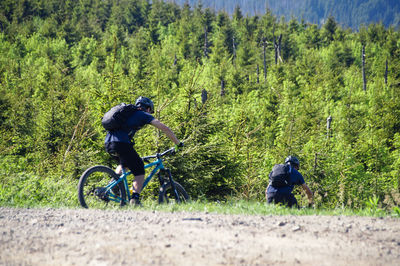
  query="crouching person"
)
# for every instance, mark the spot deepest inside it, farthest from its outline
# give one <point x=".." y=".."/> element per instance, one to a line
<point x="282" y="180"/>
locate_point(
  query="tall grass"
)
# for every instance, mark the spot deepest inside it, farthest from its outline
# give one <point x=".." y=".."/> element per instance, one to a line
<point x="28" y="190"/>
<point x="242" y="207"/>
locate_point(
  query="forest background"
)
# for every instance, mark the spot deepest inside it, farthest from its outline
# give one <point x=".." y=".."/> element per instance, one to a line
<point x="243" y="92"/>
<point x="348" y="13"/>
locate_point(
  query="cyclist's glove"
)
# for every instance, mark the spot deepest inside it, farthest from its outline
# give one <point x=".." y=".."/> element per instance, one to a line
<point x="178" y="146"/>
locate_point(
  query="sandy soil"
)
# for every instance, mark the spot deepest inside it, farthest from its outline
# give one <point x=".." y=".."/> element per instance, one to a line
<point x="130" y="237"/>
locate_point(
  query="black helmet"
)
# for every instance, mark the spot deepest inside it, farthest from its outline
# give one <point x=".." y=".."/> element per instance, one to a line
<point x="292" y="160"/>
<point x="145" y="102"/>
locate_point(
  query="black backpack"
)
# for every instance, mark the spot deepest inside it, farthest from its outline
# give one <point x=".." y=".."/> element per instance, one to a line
<point x="116" y="117"/>
<point x="280" y="175"/>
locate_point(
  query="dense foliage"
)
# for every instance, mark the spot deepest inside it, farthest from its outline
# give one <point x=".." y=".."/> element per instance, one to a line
<point x="243" y="92"/>
<point x="348" y="13"/>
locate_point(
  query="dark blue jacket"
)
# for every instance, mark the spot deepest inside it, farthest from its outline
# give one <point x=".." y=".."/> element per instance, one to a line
<point x="296" y="179"/>
<point x="134" y="123"/>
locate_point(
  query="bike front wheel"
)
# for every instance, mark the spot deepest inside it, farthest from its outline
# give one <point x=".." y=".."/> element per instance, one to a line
<point x="94" y="190"/>
<point x="167" y="194"/>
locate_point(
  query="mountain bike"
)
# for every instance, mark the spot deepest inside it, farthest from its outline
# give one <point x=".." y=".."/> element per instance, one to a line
<point x="99" y="186"/>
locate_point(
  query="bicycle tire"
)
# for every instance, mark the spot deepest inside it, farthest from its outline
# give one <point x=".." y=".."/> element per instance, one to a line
<point x="91" y="183"/>
<point x="167" y="195"/>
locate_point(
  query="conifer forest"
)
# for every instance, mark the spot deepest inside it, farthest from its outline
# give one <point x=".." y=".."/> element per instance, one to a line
<point x="242" y="91"/>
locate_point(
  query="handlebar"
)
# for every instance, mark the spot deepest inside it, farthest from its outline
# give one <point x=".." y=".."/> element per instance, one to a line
<point x="158" y="155"/>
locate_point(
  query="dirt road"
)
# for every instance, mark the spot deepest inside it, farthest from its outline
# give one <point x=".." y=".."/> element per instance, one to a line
<point x="129" y="237"/>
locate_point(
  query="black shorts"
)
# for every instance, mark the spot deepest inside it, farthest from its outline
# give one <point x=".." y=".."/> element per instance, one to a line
<point x="283" y="198"/>
<point x="125" y="154"/>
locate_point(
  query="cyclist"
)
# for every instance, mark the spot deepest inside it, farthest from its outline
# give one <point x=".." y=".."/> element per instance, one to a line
<point x="119" y="144"/>
<point x="284" y="194"/>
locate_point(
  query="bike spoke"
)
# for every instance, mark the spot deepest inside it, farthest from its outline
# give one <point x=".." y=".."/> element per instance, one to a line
<point x="93" y="191"/>
<point x="168" y="195"/>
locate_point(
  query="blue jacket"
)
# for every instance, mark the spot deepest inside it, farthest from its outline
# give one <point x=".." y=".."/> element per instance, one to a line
<point x="296" y="179"/>
<point x="134" y="123"/>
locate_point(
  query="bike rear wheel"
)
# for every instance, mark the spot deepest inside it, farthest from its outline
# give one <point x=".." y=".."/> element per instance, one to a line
<point x="167" y="194"/>
<point x="92" y="191"/>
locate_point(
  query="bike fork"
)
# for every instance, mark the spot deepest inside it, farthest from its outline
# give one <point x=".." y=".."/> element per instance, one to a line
<point x="171" y="181"/>
<point x="173" y="186"/>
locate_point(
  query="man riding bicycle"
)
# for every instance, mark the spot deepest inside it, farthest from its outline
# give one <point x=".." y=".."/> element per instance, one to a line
<point x="119" y="143"/>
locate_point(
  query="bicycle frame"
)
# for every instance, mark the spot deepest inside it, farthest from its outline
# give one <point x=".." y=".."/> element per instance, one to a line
<point x="157" y="164"/>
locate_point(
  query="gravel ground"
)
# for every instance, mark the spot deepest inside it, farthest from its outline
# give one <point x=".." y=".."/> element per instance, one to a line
<point x="134" y="237"/>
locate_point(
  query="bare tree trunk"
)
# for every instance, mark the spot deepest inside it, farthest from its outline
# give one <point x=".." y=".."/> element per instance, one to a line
<point x="363" y="69"/>
<point x="280" y="48"/>
<point x="328" y="127"/>
<point x="315" y="162"/>
<point x="277" y="46"/>
<point x="234" y="49"/>
<point x="265" y="59"/>
<point x="205" y="42"/>
<point x="258" y="74"/>
<point x="113" y="64"/>
<point x="222" y="87"/>
<point x="276" y="52"/>
<point x="386" y="72"/>
<point x="204" y="96"/>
